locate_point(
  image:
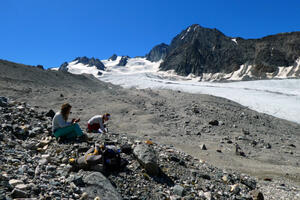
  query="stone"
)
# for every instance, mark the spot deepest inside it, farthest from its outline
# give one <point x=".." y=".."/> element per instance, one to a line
<point x="214" y="122"/>
<point x="203" y="147"/>
<point x="178" y="190"/>
<point x="16" y="193"/>
<point x="22" y="187"/>
<point x="14" y="182"/>
<point x="250" y="183"/>
<point x="84" y="196"/>
<point x="257" y="195"/>
<point x="97" y="185"/>
<point x="235" y="189"/>
<point x="43" y="161"/>
<point x="146" y="156"/>
<point x="268" y="146"/>
<point x="50" y="114"/>
<point x="46" y="156"/>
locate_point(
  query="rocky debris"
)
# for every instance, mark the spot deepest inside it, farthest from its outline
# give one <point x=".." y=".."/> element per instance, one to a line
<point x="38" y="166"/>
<point x="147" y="158"/>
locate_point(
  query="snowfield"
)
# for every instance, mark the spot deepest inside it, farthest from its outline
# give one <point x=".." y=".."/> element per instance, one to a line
<point x="280" y="98"/>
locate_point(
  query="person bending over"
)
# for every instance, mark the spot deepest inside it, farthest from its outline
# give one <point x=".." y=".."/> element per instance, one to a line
<point x="96" y="123"/>
<point x="61" y="127"/>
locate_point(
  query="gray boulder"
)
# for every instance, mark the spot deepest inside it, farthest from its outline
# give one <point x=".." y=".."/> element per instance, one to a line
<point x="97" y="185"/>
<point x="146" y="156"/>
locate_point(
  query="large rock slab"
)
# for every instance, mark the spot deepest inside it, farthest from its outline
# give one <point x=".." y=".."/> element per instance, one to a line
<point x="97" y="185"/>
<point x="146" y="156"/>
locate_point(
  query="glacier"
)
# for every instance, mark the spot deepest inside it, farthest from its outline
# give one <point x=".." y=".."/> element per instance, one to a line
<point x="277" y="97"/>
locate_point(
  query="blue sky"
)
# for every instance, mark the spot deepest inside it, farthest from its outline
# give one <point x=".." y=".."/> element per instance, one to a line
<point x="49" y="32"/>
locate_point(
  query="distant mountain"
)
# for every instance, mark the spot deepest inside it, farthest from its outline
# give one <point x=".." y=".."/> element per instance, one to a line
<point x="210" y="54"/>
<point x="159" y="52"/>
<point x="90" y="62"/>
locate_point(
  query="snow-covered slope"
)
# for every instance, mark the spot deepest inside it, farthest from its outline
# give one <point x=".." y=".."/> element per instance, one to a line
<point x="79" y="68"/>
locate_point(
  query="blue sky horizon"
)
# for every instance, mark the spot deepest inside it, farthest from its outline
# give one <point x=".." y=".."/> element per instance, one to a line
<point x="51" y="32"/>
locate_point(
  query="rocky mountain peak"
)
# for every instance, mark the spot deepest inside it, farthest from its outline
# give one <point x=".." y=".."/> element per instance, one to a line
<point x="198" y="50"/>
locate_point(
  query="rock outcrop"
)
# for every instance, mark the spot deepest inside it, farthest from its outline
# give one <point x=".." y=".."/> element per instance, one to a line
<point x="123" y="61"/>
<point x="157" y="53"/>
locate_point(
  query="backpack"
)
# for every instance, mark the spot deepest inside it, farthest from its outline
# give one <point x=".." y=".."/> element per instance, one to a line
<point x="111" y="158"/>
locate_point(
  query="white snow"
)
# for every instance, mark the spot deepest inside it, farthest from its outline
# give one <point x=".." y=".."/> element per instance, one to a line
<point x="234" y="40"/>
<point x="79" y="68"/>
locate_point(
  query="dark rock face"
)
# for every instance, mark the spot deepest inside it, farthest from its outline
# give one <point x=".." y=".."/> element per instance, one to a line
<point x="123" y="61"/>
<point x="86" y="61"/>
<point x="64" y="67"/>
<point x="199" y="50"/>
<point x="158" y="52"/>
<point x="91" y="62"/>
<point x="113" y="57"/>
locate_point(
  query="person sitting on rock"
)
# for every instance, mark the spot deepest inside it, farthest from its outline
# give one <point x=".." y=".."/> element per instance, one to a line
<point x="61" y="127"/>
<point x="96" y="123"/>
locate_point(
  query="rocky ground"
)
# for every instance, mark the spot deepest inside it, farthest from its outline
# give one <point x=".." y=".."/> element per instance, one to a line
<point x="236" y="139"/>
<point x="35" y="165"/>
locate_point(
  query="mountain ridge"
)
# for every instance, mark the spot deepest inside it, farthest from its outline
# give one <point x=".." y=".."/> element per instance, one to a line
<point x="200" y="51"/>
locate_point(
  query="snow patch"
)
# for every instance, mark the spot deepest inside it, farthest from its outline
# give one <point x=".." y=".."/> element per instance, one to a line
<point x="234" y="40"/>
